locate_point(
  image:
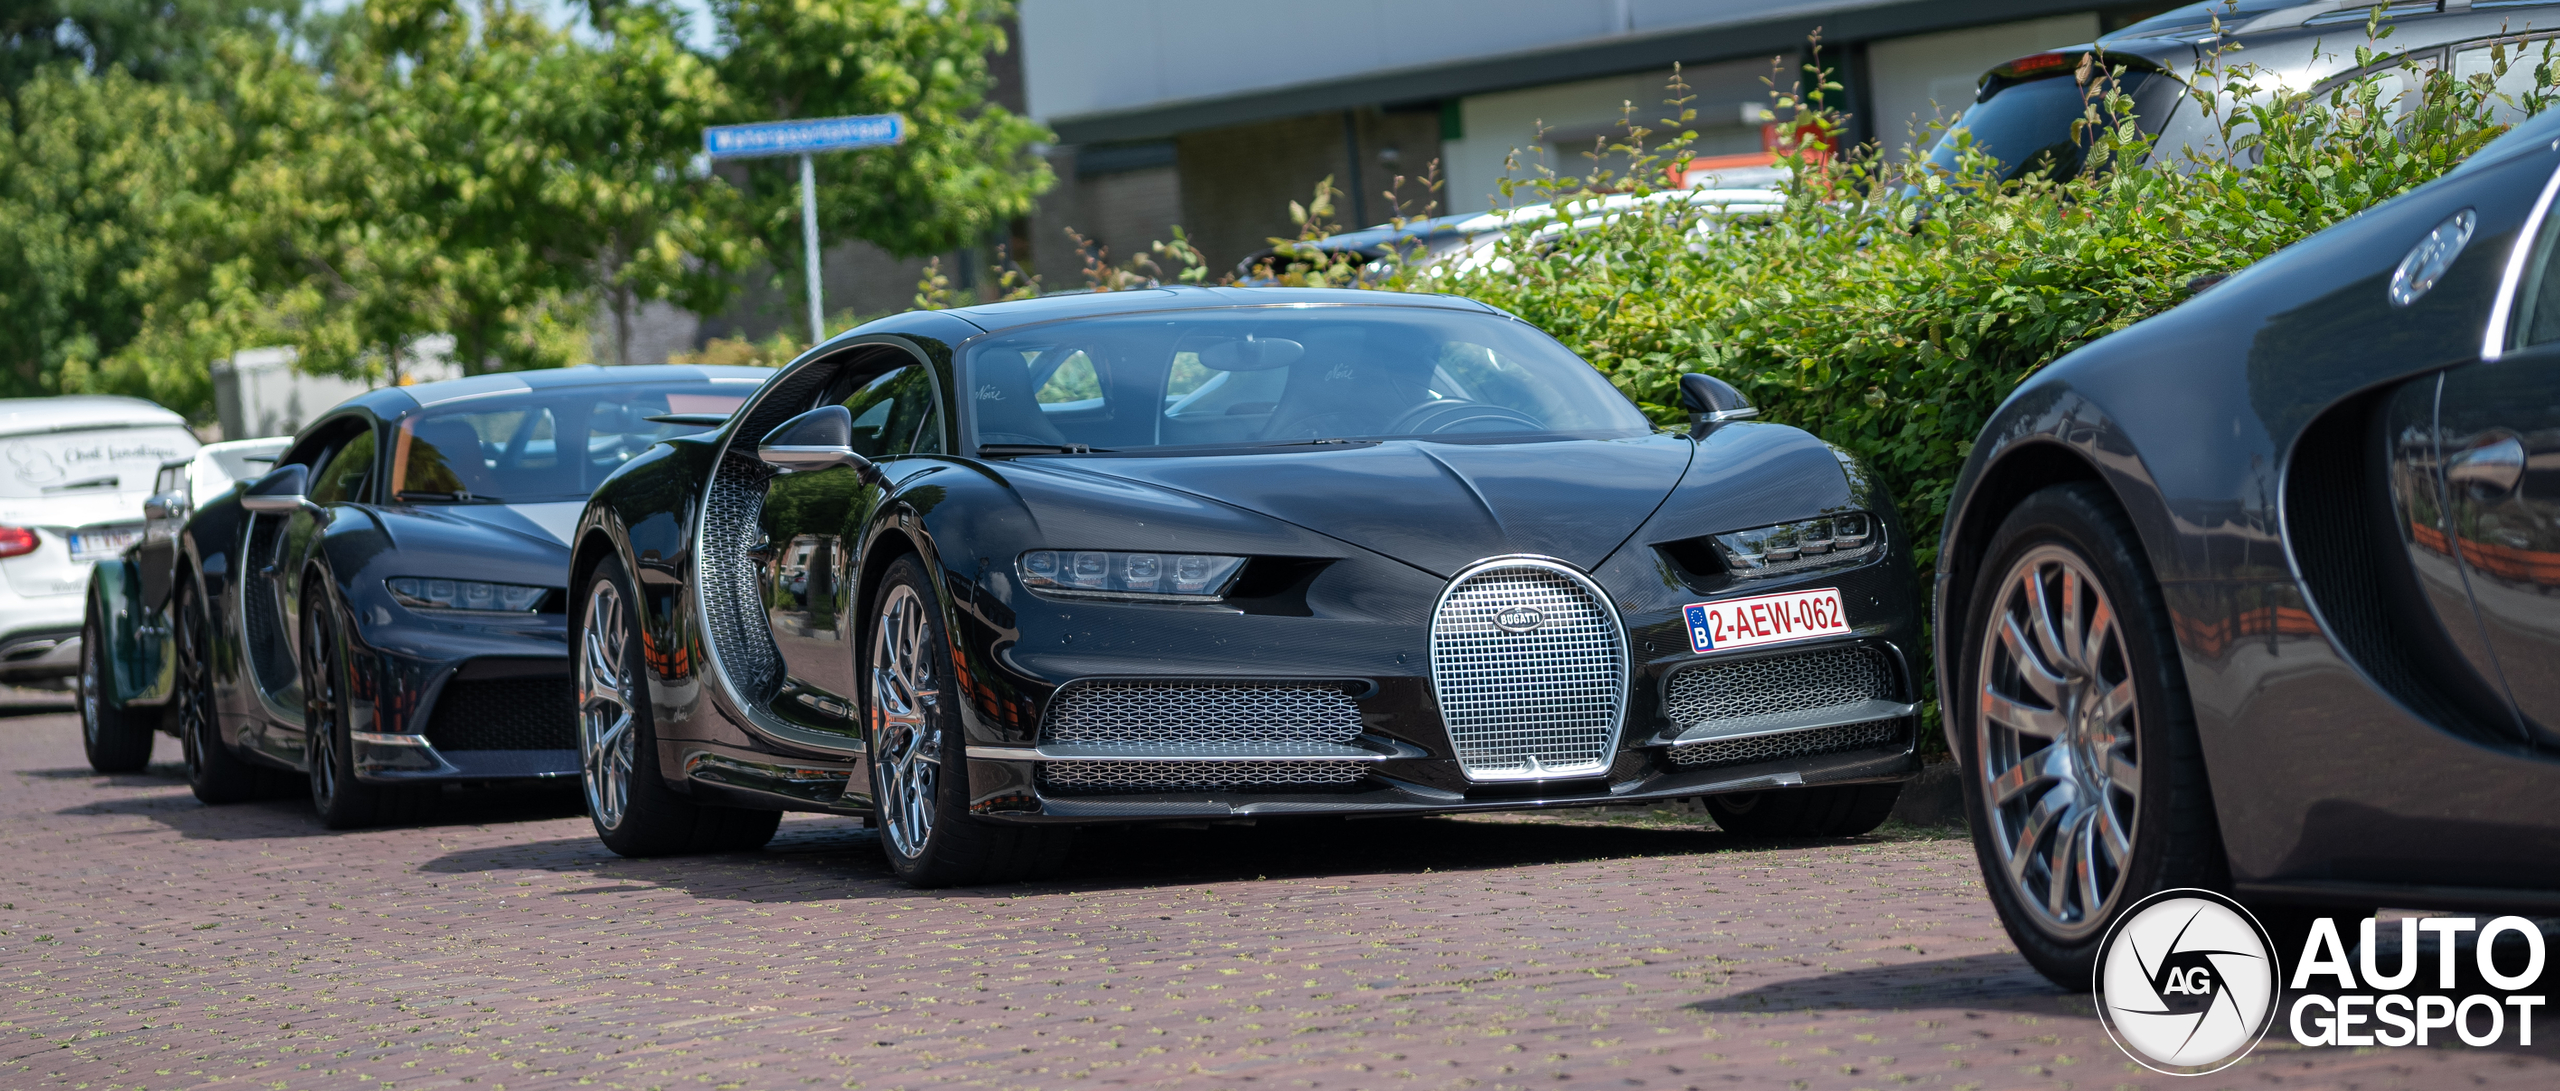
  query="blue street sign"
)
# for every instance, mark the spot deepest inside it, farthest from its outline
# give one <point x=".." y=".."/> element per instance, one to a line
<point x="801" y="137"/>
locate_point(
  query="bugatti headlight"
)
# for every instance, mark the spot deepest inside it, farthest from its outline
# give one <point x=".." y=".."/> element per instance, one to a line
<point x="435" y="594"/>
<point x="1803" y="546"/>
<point x="1111" y="574"/>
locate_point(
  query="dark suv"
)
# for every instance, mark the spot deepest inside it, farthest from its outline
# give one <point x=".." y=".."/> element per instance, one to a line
<point x="2023" y="112"/>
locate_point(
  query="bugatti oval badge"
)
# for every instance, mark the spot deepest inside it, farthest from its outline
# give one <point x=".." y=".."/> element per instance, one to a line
<point x="1518" y="619"/>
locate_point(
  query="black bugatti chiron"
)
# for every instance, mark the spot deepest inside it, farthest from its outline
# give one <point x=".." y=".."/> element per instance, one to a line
<point x="2257" y="595"/>
<point x="1201" y="554"/>
<point x="384" y="611"/>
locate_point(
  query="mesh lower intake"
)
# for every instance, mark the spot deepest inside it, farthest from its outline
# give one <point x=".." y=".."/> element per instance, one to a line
<point x="1792" y="744"/>
<point x="1526" y="702"/>
<point x="1130" y="777"/>
<point x="1741" y="694"/>
<point x="1210" y="716"/>
<point x="505" y="714"/>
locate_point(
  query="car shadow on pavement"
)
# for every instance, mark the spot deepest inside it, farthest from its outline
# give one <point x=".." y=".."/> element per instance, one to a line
<point x="815" y="858"/>
<point x="288" y="813"/>
<point x="155" y="776"/>
<point x="2002" y="981"/>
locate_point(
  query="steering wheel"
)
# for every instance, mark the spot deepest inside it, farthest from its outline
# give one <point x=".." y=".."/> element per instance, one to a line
<point x="1457" y="415"/>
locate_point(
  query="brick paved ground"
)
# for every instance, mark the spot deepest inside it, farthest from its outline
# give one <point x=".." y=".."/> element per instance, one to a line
<point x="147" y="941"/>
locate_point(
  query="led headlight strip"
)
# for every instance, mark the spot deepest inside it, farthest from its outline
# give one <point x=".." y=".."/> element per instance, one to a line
<point x="1112" y="574"/>
<point x="1802" y="546"/>
<point x="434" y="594"/>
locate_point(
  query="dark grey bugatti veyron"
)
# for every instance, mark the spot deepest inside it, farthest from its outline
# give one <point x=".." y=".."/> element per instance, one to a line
<point x="2258" y="595"/>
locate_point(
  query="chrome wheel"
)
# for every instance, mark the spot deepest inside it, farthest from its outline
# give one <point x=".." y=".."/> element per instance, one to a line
<point x="2054" y="733"/>
<point x="906" y="744"/>
<point x="607" y="749"/>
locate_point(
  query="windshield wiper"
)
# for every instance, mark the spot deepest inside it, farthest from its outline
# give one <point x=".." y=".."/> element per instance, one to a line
<point x="448" y="497"/>
<point x="110" y="481"/>
<point x="1008" y="450"/>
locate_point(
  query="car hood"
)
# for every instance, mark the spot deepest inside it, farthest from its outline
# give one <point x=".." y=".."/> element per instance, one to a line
<point x="1438" y="506"/>
<point x="511" y="529"/>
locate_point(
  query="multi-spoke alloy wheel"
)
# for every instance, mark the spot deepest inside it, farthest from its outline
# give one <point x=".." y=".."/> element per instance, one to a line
<point x="607" y="750"/>
<point x="2055" y="724"/>
<point x="906" y="734"/>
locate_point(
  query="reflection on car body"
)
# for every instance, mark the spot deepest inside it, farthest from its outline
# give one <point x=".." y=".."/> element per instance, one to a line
<point x="1223" y="554"/>
<point x="382" y="611"/>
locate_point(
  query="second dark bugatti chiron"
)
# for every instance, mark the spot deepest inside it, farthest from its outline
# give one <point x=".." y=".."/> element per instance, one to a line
<point x="383" y="611"/>
<point x="1222" y="554"/>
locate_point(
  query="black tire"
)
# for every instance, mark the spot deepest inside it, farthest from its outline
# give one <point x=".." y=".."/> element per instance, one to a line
<point x="342" y="799"/>
<point x="919" y="766"/>
<point x="214" y="772"/>
<point x="118" y="740"/>
<point x="1843" y="811"/>
<point x="654" y="819"/>
<point x="2175" y="840"/>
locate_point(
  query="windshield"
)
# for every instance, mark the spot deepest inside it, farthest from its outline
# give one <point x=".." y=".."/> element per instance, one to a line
<point x="540" y="445"/>
<point x="2027" y="126"/>
<point x="1251" y="376"/>
<point x="83" y="463"/>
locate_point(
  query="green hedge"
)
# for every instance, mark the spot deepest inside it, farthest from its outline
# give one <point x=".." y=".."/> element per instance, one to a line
<point x="1890" y="312"/>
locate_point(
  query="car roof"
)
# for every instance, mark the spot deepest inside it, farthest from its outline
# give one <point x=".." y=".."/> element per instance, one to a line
<point x="1020" y="312"/>
<point x="81" y="412"/>
<point x="396" y="401"/>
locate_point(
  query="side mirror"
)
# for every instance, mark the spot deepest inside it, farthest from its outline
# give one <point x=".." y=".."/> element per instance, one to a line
<point x="167" y="505"/>
<point x="1712" y="401"/>
<point x="819" y="439"/>
<point x="283" y="491"/>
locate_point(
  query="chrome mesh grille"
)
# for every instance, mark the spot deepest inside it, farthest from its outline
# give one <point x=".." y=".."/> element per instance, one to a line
<point x="1743" y="694"/>
<point x="1131" y="777"/>
<point x="1212" y="716"/>
<point x="1792" y="744"/>
<point x="730" y="602"/>
<point x="1523" y="705"/>
<point x="732" y="607"/>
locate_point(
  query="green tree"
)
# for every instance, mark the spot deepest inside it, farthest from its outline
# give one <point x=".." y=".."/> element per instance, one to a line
<point x="89" y="166"/>
<point x="168" y="41"/>
<point x="968" y="164"/>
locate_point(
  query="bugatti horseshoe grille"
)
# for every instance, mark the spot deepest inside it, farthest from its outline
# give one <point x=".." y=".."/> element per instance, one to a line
<point x="1523" y="699"/>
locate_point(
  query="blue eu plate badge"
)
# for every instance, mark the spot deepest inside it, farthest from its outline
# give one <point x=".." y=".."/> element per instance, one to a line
<point x="1764" y="619"/>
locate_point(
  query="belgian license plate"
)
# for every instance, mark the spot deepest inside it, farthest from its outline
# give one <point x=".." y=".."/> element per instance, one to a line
<point x="1764" y="619"/>
<point x="91" y="545"/>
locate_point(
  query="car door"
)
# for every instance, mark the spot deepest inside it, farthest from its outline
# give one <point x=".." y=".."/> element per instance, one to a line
<point x="2498" y="423"/>
<point x="812" y="523"/>
<point x="342" y="474"/>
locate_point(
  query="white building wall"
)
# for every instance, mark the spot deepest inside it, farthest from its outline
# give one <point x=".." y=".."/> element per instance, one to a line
<point x="1505" y="127"/>
<point x="1083" y="57"/>
<point x="1925" y="77"/>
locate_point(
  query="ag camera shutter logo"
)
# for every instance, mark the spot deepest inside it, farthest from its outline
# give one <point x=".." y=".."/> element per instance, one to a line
<point x="2187" y="982"/>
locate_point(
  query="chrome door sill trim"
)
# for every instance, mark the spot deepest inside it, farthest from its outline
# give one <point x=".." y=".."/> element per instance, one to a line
<point x="1815" y="720"/>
